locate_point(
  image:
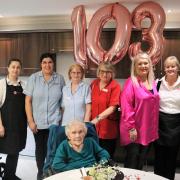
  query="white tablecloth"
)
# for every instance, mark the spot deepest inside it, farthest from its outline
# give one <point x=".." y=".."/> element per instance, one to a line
<point x="130" y="174"/>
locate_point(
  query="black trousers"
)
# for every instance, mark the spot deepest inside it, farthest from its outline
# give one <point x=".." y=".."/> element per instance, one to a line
<point x="10" y="167"/>
<point x="135" y="156"/>
<point x="109" y="145"/>
<point x="41" y="138"/>
<point x="165" y="160"/>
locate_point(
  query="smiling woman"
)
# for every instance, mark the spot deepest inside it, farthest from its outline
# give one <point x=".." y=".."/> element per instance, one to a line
<point x="105" y="101"/>
<point x="138" y="126"/>
<point x="167" y="146"/>
<point x="43" y="96"/>
<point x="76" y="100"/>
<point x="77" y="151"/>
<point x="13" y="123"/>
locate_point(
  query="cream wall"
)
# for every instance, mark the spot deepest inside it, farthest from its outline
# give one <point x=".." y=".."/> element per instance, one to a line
<point x="63" y="62"/>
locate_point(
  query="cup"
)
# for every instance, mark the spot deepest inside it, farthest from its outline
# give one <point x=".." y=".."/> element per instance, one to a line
<point x="88" y="178"/>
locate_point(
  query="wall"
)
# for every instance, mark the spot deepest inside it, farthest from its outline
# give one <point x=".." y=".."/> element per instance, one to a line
<point x="64" y="60"/>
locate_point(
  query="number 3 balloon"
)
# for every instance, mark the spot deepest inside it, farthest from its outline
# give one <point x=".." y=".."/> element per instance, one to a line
<point x="154" y="34"/>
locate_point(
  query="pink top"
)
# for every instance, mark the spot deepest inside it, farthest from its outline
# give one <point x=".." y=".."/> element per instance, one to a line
<point x="140" y="110"/>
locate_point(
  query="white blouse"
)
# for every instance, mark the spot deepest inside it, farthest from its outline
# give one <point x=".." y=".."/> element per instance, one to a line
<point x="170" y="97"/>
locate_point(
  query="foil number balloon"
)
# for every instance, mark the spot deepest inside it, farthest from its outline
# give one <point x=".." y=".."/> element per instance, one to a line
<point x="94" y="49"/>
<point x="87" y="45"/>
<point x="78" y="19"/>
<point x="123" y="31"/>
<point x="154" y="34"/>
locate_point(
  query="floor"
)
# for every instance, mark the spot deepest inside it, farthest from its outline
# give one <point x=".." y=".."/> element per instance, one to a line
<point x="27" y="169"/>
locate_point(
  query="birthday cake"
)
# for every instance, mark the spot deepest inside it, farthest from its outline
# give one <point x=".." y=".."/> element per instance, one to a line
<point x="105" y="172"/>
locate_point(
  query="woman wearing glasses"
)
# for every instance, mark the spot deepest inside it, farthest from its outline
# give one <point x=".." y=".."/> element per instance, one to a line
<point x="105" y="101"/>
<point x="76" y="100"/>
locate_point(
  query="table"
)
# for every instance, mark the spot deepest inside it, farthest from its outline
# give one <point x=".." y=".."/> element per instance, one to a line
<point x="130" y="174"/>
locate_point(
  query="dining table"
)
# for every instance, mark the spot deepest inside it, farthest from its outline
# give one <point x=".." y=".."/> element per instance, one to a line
<point x="129" y="174"/>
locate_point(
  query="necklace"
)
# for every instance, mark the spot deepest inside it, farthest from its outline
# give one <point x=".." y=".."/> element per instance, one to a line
<point x="77" y="148"/>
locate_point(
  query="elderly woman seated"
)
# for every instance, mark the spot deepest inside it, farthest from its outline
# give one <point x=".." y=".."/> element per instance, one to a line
<point x="77" y="151"/>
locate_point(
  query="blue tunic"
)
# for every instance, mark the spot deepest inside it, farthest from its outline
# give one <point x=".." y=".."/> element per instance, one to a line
<point x="75" y="104"/>
<point x="46" y="98"/>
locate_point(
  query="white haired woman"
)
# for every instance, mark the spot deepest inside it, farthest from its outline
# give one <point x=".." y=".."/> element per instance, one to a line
<point x="140" y="109"/>
<point x="167" y="146"/>
<point x="77" y="151"/>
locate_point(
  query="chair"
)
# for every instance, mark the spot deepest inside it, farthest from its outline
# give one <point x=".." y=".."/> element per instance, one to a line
<point x="56" y="136"/>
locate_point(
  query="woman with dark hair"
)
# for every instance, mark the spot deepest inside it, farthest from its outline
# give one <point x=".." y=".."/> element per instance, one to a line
<point x="43" y="98"/>
<point x="13" y="122"/>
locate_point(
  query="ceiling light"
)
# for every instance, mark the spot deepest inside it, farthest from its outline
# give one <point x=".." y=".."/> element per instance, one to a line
<point x="169" y="11"/>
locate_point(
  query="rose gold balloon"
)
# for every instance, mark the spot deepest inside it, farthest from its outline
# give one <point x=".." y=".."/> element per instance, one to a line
<point x="78" y="19"/>
<point x="123" y="30"/>
<point x="154" y="34"/>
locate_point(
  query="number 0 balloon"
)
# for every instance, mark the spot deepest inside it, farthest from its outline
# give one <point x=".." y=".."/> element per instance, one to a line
<point x="123" y="30"/>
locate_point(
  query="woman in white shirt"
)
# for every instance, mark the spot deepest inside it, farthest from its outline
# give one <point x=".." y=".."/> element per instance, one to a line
<point x="167" y="146"/>
<point x="13" y="122"/>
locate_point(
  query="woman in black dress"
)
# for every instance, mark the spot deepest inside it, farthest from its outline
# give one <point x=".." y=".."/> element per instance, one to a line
<point x="168" y="144"/>
<point x="13" y="123"/>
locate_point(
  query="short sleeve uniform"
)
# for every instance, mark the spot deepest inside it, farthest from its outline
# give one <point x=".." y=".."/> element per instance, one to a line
<point x="101" y="100"/>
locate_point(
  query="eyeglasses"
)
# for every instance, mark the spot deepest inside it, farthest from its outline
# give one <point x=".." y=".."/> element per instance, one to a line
<point x="105" y="72"/>
<point x="78" y="73"/>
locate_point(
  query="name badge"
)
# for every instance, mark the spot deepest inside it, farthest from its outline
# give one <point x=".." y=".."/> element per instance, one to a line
<point x="67" y="97"/>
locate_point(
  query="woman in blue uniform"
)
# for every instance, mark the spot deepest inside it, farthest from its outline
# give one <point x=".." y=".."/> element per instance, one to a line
<point x="13" y="123"/>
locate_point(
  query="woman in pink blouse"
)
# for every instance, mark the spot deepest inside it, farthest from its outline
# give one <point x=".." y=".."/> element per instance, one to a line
<point x="140" y="106"/>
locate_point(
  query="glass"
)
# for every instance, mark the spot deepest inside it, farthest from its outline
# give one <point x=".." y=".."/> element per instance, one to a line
<point x="78" y="73"/>
<point x="105" y="72"/>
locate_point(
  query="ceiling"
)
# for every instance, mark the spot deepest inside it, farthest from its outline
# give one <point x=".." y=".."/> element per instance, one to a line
<point x="11" y="8"/>
<point x="16" y="15"/>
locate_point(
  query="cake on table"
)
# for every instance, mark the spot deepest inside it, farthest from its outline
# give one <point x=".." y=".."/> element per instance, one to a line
<point x="105" y="172"/>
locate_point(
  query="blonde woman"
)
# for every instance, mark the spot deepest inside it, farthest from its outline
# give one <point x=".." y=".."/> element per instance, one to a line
<point x="140" y="109"/>
<point x="167" y="146"/>
<point x="76" y="100"/>
<point x="105" y="101"/>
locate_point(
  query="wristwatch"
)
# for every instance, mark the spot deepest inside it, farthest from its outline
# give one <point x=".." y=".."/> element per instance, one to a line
<point x="98" y="118"/>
